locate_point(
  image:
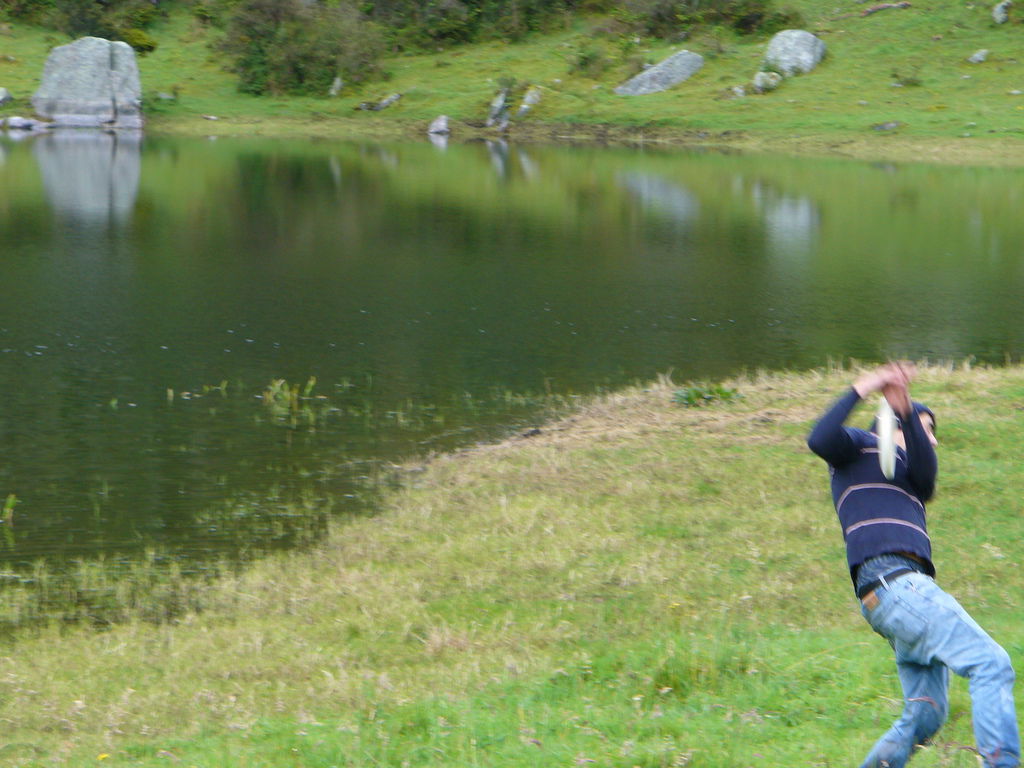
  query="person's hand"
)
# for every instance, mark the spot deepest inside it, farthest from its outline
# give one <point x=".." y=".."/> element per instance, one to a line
<point x="893" y="381"/>
<point x="897" y="390"/>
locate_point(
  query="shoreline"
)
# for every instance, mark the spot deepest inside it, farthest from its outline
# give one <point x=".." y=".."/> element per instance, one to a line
<point x="895" y="148"/>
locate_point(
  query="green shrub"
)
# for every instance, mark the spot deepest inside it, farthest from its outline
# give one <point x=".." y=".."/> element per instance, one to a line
<point x="252" y="31"/>
<point x="423" y="23"/>
<point x="139" y="39"/>
<point x="138" y="14"/>
<point x="204" y="13"/>
<point x="76" y="18"/>
<point x="589" y="61"/>
<point x="81" y="17"/>
<point x="447" y="20"/>
<point x="29" y="10"/>
<point x="663" y="18"/>
<point x="280" y="46"/>
<point x="775" y="21"/>
<point x="653" y="17"/>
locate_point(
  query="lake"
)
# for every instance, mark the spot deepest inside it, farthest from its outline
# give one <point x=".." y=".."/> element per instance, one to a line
<point x="210" y="348"/>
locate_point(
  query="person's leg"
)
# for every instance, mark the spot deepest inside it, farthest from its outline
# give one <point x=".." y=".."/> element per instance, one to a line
<point x="926" y="626"/>
<point x="970" y="652"/>
<point x="925" y="708"/>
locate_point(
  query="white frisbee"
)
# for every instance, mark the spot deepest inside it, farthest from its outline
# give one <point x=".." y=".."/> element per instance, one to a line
<point x="886" y="439"/>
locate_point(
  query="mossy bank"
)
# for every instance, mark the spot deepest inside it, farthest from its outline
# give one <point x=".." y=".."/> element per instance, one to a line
<point x="638" y="583"/>
<point x="895" y="84"/>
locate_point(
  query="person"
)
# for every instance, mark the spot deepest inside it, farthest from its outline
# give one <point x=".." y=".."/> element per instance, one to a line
<point x="889" y="555"/>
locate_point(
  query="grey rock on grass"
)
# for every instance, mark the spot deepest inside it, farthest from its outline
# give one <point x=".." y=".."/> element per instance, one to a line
<point x="794" y="51"/>
<point x="766" y="81"/>
<point x="530" y="100"/>
<point x="662" y="76"/>
<point x="499" y="109"/>
<point x="91" y="82"/>
<point x="377" y="106"/>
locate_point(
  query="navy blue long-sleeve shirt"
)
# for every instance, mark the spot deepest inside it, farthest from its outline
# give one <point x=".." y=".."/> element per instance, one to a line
<point x="878" y="516"/>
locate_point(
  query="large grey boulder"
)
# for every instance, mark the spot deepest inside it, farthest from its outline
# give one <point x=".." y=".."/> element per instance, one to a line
<point x="5" y="96"/>
<point x="663" y="75"/>
<point x="794" y="51"/>
<point x="1001" y="12"/>
<point x="91" y="82"/>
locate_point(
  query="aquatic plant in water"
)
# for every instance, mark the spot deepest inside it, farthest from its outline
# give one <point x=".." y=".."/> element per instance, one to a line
<point x="9" y="505"/>
<point x="296" y="403"/>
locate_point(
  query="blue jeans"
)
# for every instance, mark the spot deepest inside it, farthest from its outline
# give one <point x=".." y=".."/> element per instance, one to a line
<point x="932" y="634"/>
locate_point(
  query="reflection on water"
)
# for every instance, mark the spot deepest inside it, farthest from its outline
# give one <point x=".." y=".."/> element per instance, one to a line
<point x="91" y="177"/>
<point x="425" y="299"/>
<point x="529" y="168"/>
<point x="791" y="221"/>
<point x="498" y="150"/>
<point x="792" y="225"/>
<point x="659" y="194"/>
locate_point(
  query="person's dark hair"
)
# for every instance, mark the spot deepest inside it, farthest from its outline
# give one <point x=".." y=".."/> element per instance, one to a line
<point x="920" y="408"/>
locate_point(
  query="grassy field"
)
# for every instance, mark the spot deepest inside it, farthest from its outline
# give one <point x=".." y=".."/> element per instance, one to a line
<point x="640" y="584"/>
<point x="903" y="66"/>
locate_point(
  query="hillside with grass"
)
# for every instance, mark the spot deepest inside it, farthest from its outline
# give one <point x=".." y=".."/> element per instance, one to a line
<point x="654" y="578"/>
<point x="894" y="80"/>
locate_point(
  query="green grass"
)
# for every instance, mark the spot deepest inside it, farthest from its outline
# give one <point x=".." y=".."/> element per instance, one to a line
<point x="948" y="109"/>
<point x="642" y="583"/>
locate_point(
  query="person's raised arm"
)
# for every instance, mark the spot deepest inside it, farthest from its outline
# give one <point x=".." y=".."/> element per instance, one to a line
<point x="829" y="438"/>
<point x="922" y="463"/>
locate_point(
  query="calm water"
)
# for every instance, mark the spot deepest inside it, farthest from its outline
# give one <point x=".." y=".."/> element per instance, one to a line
<point x="151" y="292"/>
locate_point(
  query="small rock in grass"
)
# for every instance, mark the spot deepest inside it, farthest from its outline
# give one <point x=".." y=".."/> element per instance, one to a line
<point x="766" y="81"/>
